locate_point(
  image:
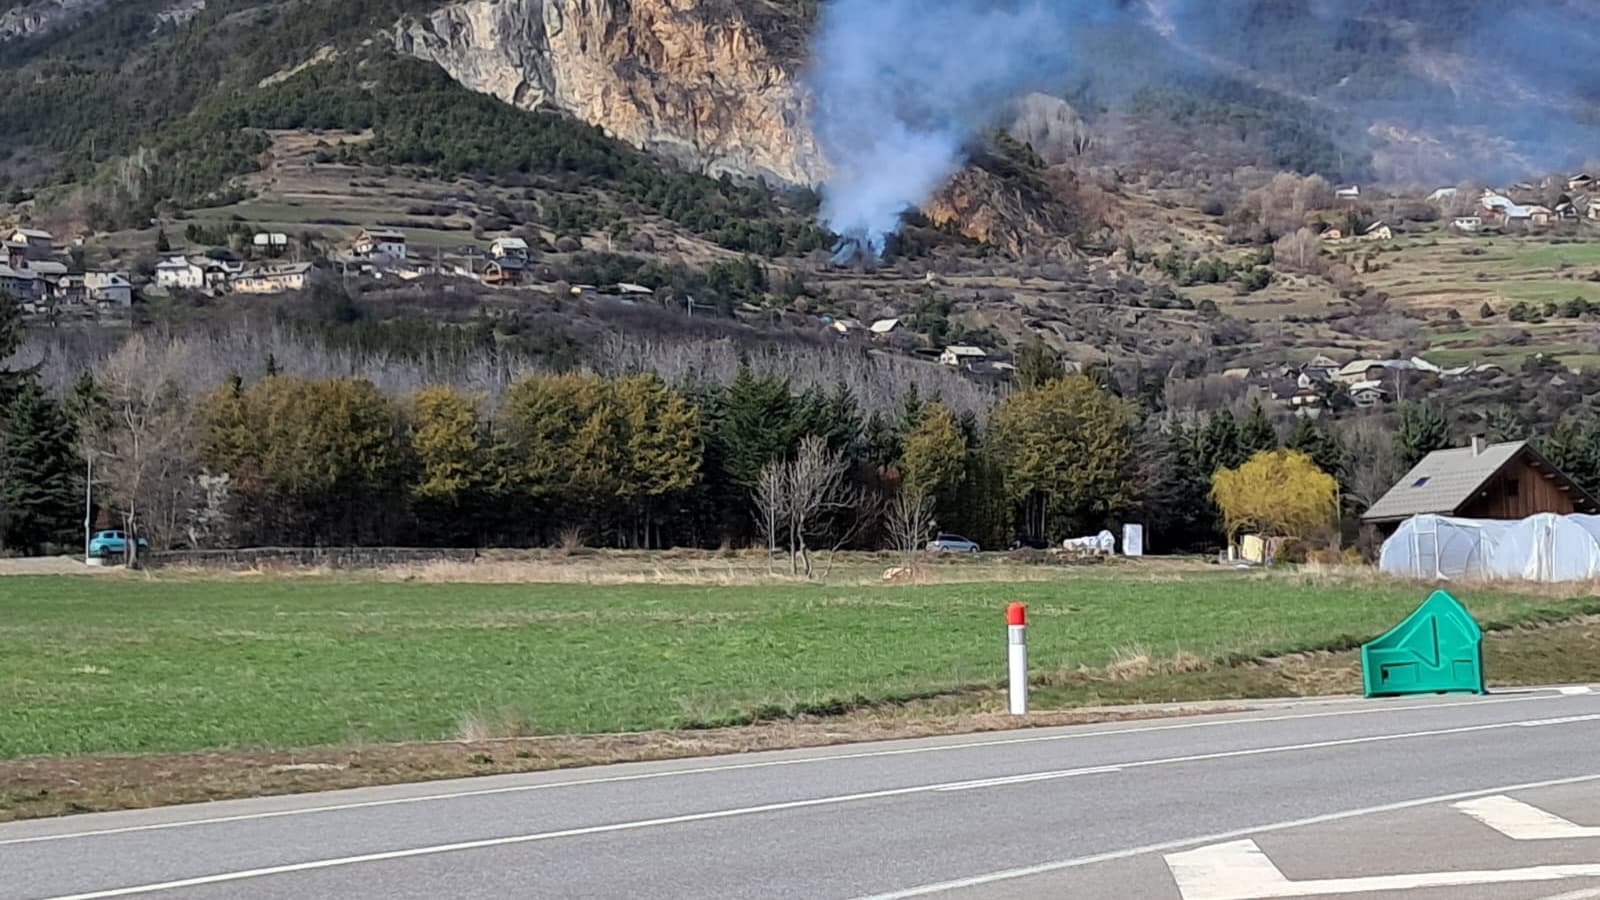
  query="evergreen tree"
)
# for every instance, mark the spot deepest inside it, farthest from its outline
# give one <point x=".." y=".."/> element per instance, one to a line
<point x="1218" y="444"/>
<point x="1573" y="446"/>
<point x="1422" y="431"/>
<point x="1038" y="365"/>
<point x="1502" y="425"/>
<point x="11" y="337"/>
<point x="1319" y="443"/>
<point x="1257" y="434"/>
<point x="758" y="424"/>
<point x="882" y="442"/>
<point x="41" y="483"/>
<point x="1179" y="514"/>
<point x="911" y="404"/>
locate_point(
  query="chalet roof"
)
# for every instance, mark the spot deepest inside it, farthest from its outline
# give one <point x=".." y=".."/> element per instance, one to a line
<point x="1359" y="367"/>
<point x="884" y="326"/>
<point x="25" y="275"/>
<point x="511" y="243"/>
<point x="174" y="262"/>
<point x="33" y="234"/>
<point x="393" y="237"/>
<point x="48" y="267"/>
<point x="1321" y="362"/>
<point x="1446" y="480"/>
<point x="628" y="287"/>
<point x="964" y="350"/>
<point x="1375" y="227"/>
<point x="277" y="271"/>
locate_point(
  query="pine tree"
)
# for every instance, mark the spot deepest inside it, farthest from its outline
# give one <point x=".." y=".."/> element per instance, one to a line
<point x="1037" y="365"/>
<point x="911" y="404"/>
<point x="11" y="337"/>
<point x="1319" y="443"/>
<point x="882" y="441"/>
<point x="1219" y="446"/>
<point x="40" y="482"/>
<point x="1257" y="434"/>
<point x="1422" y="431"/>
<point x="1178" y="509"/>
<point x="758" y="424"/>
<point x="1502" y="425"/>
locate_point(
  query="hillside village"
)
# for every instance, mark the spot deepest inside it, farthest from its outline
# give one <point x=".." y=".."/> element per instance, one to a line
<point x="264" y="263"/>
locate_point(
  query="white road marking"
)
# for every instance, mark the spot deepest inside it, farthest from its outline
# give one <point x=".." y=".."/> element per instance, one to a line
<point x="724" y="814"/>
<point x="1183" y="843"/>
<point x="1025" y="779"/>
<point x="734" y="767"/>
<point x="1240" y="871"/>
<point x="1576" y="690"/>
<point x="1522" y="822"/>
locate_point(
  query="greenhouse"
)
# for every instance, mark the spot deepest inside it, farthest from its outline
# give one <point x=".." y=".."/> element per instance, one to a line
<point x="1544" y="547"/>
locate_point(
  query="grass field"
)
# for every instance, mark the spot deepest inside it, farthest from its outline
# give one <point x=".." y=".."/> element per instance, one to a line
<point x="92" y="665"/>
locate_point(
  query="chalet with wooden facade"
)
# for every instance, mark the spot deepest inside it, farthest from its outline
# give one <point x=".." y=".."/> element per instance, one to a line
<point x="1484" y="481"/>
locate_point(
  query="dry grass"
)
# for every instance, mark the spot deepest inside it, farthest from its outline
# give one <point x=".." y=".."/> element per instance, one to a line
<point x="750" y="568"/>
<point x="49" y="786"/>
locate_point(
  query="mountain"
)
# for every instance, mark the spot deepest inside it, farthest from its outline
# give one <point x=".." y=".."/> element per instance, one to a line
<point x="1113" y="212"/>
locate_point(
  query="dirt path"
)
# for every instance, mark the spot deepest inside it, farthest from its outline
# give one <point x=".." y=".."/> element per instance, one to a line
<point x="52" y="565"/>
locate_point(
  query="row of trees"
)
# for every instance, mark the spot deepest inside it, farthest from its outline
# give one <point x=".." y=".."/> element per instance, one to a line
<point x="664" y="450"/>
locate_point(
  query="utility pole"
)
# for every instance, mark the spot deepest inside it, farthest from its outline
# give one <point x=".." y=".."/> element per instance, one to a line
<point x="88" y="505"/>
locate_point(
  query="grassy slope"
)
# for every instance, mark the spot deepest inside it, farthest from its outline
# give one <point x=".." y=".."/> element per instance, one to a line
<point x="91" y="666"/>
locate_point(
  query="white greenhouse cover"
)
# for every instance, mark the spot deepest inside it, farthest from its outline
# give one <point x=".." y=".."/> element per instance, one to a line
<point x="1545" y="547"/>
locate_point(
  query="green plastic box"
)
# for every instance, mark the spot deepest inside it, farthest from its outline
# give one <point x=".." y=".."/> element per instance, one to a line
<point x="1437" y="650"/>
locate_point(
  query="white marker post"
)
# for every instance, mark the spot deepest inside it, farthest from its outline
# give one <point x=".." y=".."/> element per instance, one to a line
<point x="1016" y="631"/>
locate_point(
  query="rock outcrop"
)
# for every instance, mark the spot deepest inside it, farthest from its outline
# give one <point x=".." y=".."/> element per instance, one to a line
<point x="40" y="17"/>
<point x="1005" y="206"/>
<point x="696" y="81"/>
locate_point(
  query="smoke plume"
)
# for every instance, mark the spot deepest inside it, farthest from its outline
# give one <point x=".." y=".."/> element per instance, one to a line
<point x="1403" y="89"/>
<point x="901" y="85"/>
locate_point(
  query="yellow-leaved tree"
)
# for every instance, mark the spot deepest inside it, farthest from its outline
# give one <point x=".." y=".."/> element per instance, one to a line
<point x="1279" y="493"/>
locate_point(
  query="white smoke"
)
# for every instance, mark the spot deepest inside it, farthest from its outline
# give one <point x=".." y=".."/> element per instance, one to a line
<point x="900" y="86"/>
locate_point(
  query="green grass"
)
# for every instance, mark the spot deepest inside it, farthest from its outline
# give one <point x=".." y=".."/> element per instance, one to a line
<point x="95" y="664"/>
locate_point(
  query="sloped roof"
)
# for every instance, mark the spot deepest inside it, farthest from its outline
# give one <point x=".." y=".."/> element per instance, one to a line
<point x="884" y="326"/>
<point x="1446" y="480"/>
<point x="1443" y="482"/>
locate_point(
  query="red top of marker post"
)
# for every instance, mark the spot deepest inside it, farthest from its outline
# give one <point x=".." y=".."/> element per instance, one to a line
<point x="1016" y="614"/>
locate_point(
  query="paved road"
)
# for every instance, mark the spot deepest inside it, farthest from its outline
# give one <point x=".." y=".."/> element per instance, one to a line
<point x="1353" y="798"/>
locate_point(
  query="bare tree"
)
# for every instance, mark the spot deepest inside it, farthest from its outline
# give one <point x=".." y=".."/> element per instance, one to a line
<point x="1300" y="252"/>
<point x="807" y="497"/>
<point x="1373" y="463"/>
<point x="819" y="488"/>
<point x="772" y="507"/>
<point x="910" y="521"/>
<point x="146" y="438"/>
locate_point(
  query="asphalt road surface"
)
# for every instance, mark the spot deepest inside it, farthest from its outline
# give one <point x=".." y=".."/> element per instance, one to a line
<point x="1421" y="798"/>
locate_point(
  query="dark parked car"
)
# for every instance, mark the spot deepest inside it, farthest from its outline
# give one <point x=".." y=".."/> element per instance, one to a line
<point x="1028" y="542"/>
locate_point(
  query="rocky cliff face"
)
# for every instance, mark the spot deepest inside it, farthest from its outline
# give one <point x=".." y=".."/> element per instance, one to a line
<point x="692" y="80"/>
<point x="1016" y="211"/>
<point x="39" y="17"/>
